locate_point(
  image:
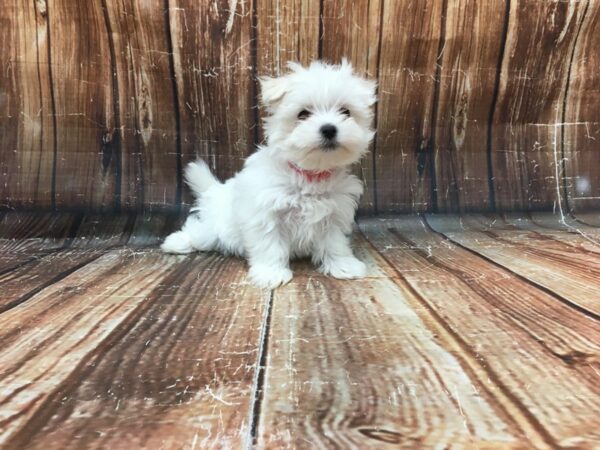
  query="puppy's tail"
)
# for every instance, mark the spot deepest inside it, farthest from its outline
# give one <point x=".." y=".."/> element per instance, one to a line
<point x="199" y="177"/>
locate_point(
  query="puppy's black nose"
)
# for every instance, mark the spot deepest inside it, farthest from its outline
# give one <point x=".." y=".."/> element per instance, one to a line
<point x="329" y="131"/>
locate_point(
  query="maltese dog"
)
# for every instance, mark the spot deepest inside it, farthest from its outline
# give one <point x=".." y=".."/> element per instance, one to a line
<point x="295" y="196"/>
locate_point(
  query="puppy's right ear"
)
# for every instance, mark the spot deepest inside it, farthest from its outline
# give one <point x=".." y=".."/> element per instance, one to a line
<point x="272" y="91"/>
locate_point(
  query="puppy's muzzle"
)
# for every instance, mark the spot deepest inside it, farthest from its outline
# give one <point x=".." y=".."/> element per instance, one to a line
<point x="329" y="135"/>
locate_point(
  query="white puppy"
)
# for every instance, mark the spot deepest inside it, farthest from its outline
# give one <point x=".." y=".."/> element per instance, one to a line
<point x="295" y="196"/>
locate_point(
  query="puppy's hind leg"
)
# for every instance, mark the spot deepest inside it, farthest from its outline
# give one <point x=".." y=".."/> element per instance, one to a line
<point x="195" y="235"/>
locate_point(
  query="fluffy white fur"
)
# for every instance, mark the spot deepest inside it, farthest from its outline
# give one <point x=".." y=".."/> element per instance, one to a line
<point x="269" y="212"/>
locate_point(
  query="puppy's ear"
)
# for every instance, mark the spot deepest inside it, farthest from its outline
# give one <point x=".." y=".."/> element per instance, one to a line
<point x="272" y="91"/>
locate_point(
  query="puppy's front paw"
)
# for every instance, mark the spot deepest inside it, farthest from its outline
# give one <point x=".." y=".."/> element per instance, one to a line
<point x="269" y="277"/>
<point x="344" y="268"/>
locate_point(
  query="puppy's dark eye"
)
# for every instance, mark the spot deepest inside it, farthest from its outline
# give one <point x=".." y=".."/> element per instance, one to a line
<point x="345" y="112"/>
<point x="304" y="114"/>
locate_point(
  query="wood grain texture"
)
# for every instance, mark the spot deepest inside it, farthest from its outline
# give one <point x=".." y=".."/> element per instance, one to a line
<point x="467" y="77"/>
<point x="410" y="34"/>
<point x="212" y="45"/>
<point x="351" y="365"/>
<point x="68" y="244"/>
<point x="87" y="165"/>
<point x="571" y="270"/>
<point x="351" y="29"/>
<point x="66" y="325"/>
<point x="286" y="31"/>
<point x="581" y="128"/>
<point x="179" y="373"/>
<point x="526" y="125"/>
<point x="540" y="353"/>
<point x="146" y="103"/>
<point x="26" y="106"/>
<point x="27" y="236"/>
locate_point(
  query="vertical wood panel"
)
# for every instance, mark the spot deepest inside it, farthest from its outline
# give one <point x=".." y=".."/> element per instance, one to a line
<point x="581" y="130"/>
<point x="351" y="29"/>
<point x="526" y="123"/>
<point x="87" y="153"/>
<point x="212" y="45"/>
<point x="146" y="103"/>
<point x="467" y="79"/>
<point x="411" y="34"/>
<point x="26" y="124"/>
<point x="286" y="31"/>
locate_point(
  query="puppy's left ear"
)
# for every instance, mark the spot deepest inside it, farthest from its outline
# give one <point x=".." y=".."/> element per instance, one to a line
<point x="272" y="90"/>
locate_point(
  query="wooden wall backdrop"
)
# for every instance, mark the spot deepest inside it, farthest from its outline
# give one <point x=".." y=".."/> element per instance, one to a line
<point x="484" y="105"/>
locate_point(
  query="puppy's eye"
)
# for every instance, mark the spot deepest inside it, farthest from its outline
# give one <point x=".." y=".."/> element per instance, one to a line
<point x="304" y="114"/>
<point x="345" y="112"/>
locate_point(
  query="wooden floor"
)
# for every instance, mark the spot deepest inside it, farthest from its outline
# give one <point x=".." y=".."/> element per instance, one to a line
<point x="470" y="332"/>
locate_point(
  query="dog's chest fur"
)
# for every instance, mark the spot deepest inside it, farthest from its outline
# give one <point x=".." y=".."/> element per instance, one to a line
<point x="307" y="212"/>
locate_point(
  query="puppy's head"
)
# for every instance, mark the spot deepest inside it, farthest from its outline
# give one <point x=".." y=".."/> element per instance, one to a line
<point x="319" y="117"/>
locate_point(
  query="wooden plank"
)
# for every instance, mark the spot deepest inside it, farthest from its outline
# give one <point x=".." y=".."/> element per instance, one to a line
<point x="526" y="125"/>
<point x="87" y="152"/>
<point x="215" y="84"/>
<point x="411" y="35"/>
<point x="27" y="137"/>
<point x="150" y="229"/>
<point x="581" y="128"/>
<point x="26" y="277"/>
<point x="51" y="337"/>
<point x="29" y="271"/>
<point x="146" y="103"/>
<point x="467" y="80"/>
<point x="541" y="353"/>
<point x="352" y="365"/>
<point x="26" y="236"/>
<point x="571" y="271"/>
<point x="173" y="366"/>
<point x="589" y="218"/>
<point x="286" y="31"/>
<point x="351" y="29"/>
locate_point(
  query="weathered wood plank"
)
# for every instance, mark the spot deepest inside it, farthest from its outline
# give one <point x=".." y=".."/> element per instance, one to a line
<point x="564" y="229"/>
<point x="48" y="260"/>
<point x="590" y="218"/>
<point x="351" y="29"/>
<point x="26" y="277"/>
<point x="26" y="106"/>
<point x="526" y="125"/>
<point x="286" y="31"/>
<point x="351" y="365"/>
<point x="542" y="354"/>
<point x="87" y="143"/>
<point x="179" y="372"/>
<point x="581" y="128"/>
<point x="215" y="84"/>
<point x="410" y="36"/>
<point x="26" y="236"/>
<point x="467" y="80"/>
<point x="146" y="104"/>
<point x="54" y="334"/>
<point x="571" y="271"/>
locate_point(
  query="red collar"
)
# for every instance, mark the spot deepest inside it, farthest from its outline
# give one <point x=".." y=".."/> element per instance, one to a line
<point x="311" y="176"/>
